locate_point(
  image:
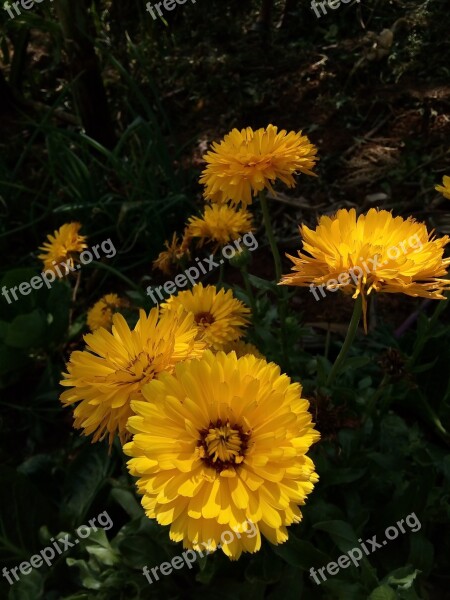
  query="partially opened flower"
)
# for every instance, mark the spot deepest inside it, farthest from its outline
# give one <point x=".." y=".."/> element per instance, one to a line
<point x="170" y="258"/>
<point x="64" y="246"/>
<point x="101" y="314"/>
<point x="220" y="317"/>
<point x="219" y="445"/>
<point x="375" y="252"/>
<point x="242" y="348"/>
<point x="246" y="162"/>
<point x="110" y="372"/>
<point x="445" y="187"/>
<point x="220" y="224"/>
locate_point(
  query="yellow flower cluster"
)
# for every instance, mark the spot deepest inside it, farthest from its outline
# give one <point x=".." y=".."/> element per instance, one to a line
<point x="218" y="436"/>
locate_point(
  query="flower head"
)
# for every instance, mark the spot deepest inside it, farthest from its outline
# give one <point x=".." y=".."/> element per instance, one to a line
<point x="444" y="189"/>
<point x="219" y="445"/>
<point x="242" y="348"/>
<point x="101" y="314"/>
<point x="170" y="258"/>
<point x="374" y="252"/>
<point x="219" y="316"/>
<point x="220" y="224"/>
<point x="110" y="372"/>
<point x="63" y="246"/>
<point x="248" y="161"/>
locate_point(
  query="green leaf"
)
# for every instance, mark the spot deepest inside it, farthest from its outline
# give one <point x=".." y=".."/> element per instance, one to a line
<point x="86" y="475"/>
<point x="384" y="592"/>
<point x="300" y="553"/>
<point x="29" y="587"/>
<point x="342" y="534"/>
<point x="26" y="331"/>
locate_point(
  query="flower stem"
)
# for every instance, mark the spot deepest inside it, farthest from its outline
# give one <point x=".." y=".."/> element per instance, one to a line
<point x="351" y="332"/>
<point x="248" y="289"/>
<point x="270" y="234"/>
<point x="282" y="292"/>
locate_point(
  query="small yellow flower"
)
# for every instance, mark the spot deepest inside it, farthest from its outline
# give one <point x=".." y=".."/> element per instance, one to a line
<point x="374" y="252"/>
<point x="64" y="245"/>
<point x="170" y="258"/>
<point x="101" y="314"/>
<point x="220" y="224"/>
<point x="248" y="161"/>
<point x="242" y="348"/>
<point x="219" y="449"/>
<point x="444" y="189"/>
<point x="220" y="317"/>
<point x="110" y="372"/>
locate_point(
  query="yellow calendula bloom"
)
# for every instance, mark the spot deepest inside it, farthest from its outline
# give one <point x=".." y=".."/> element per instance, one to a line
<point x="170" y="258"/>
<point x="373" y="252"/>
<point x="219" y="448"/>
<point x="444" y="189"/>
<point x="110" y="372"/>
<point x="246" y="162"/>
<point x="101" y="314"/>
<point x="220" y="317"/>
<point x="64" y="246"/>
<point x="242" y="348"/>
<point x="220" y="224"/>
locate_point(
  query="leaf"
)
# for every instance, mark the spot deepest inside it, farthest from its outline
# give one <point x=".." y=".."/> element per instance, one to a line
<point x="85" y="477"/>
<point x="24" y="511"/>
<point x="300" y="553"/>
<point x="29" y="587"/>
<point x="384" y="592"/>
<point x="27" y="330"/>
<point x="342" y="534"/>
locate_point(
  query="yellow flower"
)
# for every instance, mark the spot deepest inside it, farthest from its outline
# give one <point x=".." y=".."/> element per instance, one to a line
<point x="63" y="246"/>
<point x="110" y="372"/>
<point x="248" y="161"/>
<point x="218" y="314"/>
<point x="445" y="187"/>
<point x="374" y="252"/>
<point x="172" y="256"/>
<point x="101" y="314"/>
<point x="219" y="448"/>
<point x="220" y="224"/>
<point x="242" y="348"/>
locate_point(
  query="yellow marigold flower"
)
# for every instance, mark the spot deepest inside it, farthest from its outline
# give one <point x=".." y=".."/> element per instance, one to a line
<point x="219" y="448"/>
<point x="110" y="372"/>
<point x="101" y="314"/>
<point x="374" y="252"/>
<point x="218" y="314"/>
<point x="170" y="258"/>
<point x="445" y="187"/>
<point x="63" y="246"/>
<point x="248" y="161"/>
<point x="220" y="224"/>
<point x="242" y="348"/>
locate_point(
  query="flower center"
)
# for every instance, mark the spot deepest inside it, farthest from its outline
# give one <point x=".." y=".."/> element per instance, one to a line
<point x="141" y="368"/>
<point x="204" y="319"/>
<point x="222" y="445"/>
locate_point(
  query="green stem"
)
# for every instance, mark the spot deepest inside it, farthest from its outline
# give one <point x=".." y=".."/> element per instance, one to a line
<point x="117" y="273"/>
<point x="248" y="289"/>
<point x="282" y="292"/>
<point x="351" y="332"/>
<point x="270" y="234"/>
